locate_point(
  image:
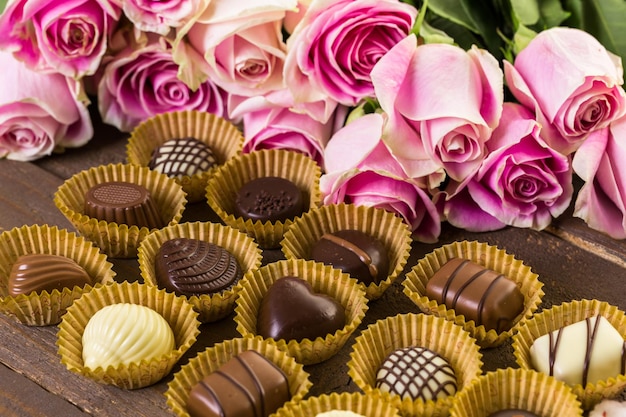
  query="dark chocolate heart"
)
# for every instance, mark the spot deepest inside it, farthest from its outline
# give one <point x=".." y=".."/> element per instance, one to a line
<point x="291" y="310"/>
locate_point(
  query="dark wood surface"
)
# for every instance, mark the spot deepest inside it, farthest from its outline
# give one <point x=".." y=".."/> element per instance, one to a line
<point x="572" y="261"/>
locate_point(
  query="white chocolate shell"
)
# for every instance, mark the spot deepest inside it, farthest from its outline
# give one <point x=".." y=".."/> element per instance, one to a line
<point x="124" y="333"/>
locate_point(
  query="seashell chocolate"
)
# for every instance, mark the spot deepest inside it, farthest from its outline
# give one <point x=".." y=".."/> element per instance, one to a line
<point x="480" y="294"/>
<point x="246" y="385"/>
<point x="269" y="199"/>
<point x="194" y="267"/>
<point x="180" y="157"/>
<point x="123" y="203"/>
<point x="45" y="272"/>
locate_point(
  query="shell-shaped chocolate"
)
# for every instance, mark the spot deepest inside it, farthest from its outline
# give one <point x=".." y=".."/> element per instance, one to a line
<point x="180" y="157"/>
<point x="193" y="267"/>
<point x="124" y="333"/>
<point x="39" y="272"/>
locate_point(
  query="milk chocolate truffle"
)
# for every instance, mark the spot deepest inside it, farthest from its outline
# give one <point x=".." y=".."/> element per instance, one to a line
<point x="194" y="267"/>
<point x="269" y="199"/>
<point x="248" y="385"/>
<point x="43" y="272"/>
<point x="179" y="157"/>
<point x="416" y="373"/>
<point x="292" y="310"/>
<point x="123" y="333"/>
<point x="587" y="351"/>
<point x="513" y="413"/>
<point x="482" y="295"/>
<point x="354" y="252"/>
<point x="123" y="203"/>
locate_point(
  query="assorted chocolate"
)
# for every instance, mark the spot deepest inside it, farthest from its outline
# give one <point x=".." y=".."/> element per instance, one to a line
<point x="416" y="373"/>
<point x="269" y="199"/>
<point x="583" y="352"/>
<point x="248" y="385"/>
<point x="180" y="157"/>
<point x="354" y="252"/>
<point x="123" y="203"/>
<point x="513" y="413"/>
<point x="480" y="294"/>
<point x="194" y="267"/>
<point x="45" y="272"/>
<point x="291" y="310"/>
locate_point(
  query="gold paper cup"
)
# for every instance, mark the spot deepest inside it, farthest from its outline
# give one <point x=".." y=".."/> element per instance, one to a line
<point x="323" y="279"/>
<point x="222" y="189"/>
<point x="176" y="311"/>
<point x="118" y="240"/>
<point x="522" y="389"/>
<point x="560" y="316"/>
<point x="442" y="336"/>
<point x="221" y="136"/>
<point x="211" y="359"/>
<point x="210" y="307"/>
<point x="45" y="308"/>
<point x="369" y="405"/>
<point x="380" y="224"/>
<point x="489" y="257"/>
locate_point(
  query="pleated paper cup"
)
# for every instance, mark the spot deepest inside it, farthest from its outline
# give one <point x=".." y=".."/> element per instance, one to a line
<point x="380" y="224"/>
<point x="323" y="279"/>
<point x="211" y="359"/>
<point x="118" y="240"/>
<point x="210" y="307"/>
<point x="441" y="336"/>
<point x="517" y="389"/>
<point x="175" y="310"/>
<point x="489" y="257"/>
<point x="222" y="189"/>
<point x="221" y="136"/>
<point x="368" y="405"/>
<point x="560" y="316"/>
<point x="43" y="308"/>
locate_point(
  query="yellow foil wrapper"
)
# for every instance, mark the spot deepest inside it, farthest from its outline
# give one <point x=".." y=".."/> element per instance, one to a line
<point x="118" y="240"/>
<point x="222" y="189"/>
<point x="368" y="405"/>
<point x="443" y="337"/>
<point x="214" y="357"/>
<point x="224" y="139"/>
<point x="562" y="315"/>
<point x="382" y="225"/>
<point x="45" y="308"/>
<point x="489" y="257"/>
<point x="521" y="389"/>
<point x="210" y="307"/>
<point x="323" y="279"/>
<point x="176" y="311"/>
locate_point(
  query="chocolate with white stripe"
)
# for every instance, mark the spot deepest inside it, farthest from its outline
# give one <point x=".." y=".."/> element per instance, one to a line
<point x="180" y="157"/>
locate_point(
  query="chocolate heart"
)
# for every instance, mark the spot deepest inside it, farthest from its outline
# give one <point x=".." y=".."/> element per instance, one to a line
<point x="291" y="310"/>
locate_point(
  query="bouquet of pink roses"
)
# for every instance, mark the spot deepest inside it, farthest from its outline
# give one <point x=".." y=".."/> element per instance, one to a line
<point x="475" y="114"/>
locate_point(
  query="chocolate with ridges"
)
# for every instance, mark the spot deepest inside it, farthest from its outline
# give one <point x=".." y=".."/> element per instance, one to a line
<point x="354" y="252"/>
<point x="269" y="199"/>
<point x="44" y="272"/>
<point x="179" y="157"/>
<point x="247" y="385"/>
<point x="416" y="373"/>
<point x="513" y="413"/>
<point x="123" y="203"/>
<point x="194" y="267"/>
<point x="480" y="294"/>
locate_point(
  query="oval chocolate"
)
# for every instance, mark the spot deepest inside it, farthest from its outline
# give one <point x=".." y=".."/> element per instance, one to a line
<point x="269" y="199"/>
<point x="179" y="157"/>
<point x="45" y="272"/>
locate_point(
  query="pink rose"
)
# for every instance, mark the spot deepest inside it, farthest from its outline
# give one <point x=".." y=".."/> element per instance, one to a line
<point x="69" y="37"/>
<point x="571" y="82"/>
<point x="39" y="112"/>
<point x="160" y="16"/>
<point x="361" y="170"/>
<point x="335" y="46"/>
<point x="443" y="104"/>
<point x="601" y="202"/>
<point x="522" y="182"/>
<point x="141" y="82"/>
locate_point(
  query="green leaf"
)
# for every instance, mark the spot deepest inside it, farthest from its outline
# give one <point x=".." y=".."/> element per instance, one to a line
<point x="527" y="12"/>
<point x="431" y="34"/>
<point x="552" y="13"/>
<point x="3" y="4"/>
<point x="606" y="20"/>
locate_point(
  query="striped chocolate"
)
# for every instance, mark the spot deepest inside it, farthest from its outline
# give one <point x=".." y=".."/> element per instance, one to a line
<point x="180" y="157"/>
<point x="44" y="272"/>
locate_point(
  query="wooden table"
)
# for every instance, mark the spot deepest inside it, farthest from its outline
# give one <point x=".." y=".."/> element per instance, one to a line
<point x="572" y="261"/>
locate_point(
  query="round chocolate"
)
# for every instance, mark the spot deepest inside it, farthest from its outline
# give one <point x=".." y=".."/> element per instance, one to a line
<point x="513" y="413"/>
<point x="194" y="267"/>
<point x="354" y="252"/>
<point x="416" y="372"/>
<point x="269" y="199"/>
<point x="179" y="157"/>
<point x="44" y="272"/>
